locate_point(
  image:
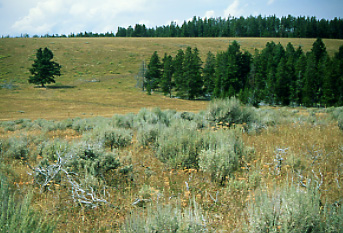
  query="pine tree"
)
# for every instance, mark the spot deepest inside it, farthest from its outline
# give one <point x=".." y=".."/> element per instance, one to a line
<point x="192" y="74"/>
<point x="178" y="74"/>
<point x="329" y="78"/>
<point x="220" y="74"/>
<point x="208" y="74"/>
<point x="283" y="80"/>
<point x="318" y="50"/>
<point x="337" y="69"/>
<point x="310" y="87"/>
<point x="43" y="69"/>
<point x="166" y="81"/>
<point x="197" y="80"/>
<point x="153" y="74"/>
<point x="300" y="70"/>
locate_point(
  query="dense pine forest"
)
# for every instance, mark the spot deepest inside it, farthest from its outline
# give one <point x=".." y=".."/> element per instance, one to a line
<point x="275" y="75"/>
<point x="267" y="26"/>
<point x="271" y="26"/>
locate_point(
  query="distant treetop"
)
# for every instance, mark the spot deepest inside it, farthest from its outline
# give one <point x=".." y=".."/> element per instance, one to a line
<point x="252" y="26"/>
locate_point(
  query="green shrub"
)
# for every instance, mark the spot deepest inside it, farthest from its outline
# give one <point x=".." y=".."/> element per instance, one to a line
<point x="92" y="158"/>
<point x="340" y="121"/>
<point x="222" y="156"/>
<point x="180" y="144"/>
<point x="231" y="111"/>
<point x="82" y="125"/>
<point x="44" y="125"/>
<point x="148" y="133"/>
<point x="123" y="121"/>
<point x="292" y="209"/>
<point x="336" y="112"/>
<point x="166" y="218"/>
<point x="64" y="124"/>
<point x="155" y="116"/>
<point x="117" y="138"/>
<point x="47" y="149"/>
<point x="17" y="148"/>
<point x="8" y="125"/>
<point x="16" y="214"/>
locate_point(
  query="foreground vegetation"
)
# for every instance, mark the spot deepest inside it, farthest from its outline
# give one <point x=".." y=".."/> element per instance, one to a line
<point x="228" y="168"/>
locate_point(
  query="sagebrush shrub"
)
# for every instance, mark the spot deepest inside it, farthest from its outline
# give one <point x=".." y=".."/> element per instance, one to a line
<point x="180" y="144"/>
<point x="154" y="116"/>
<point x="8" y="125"/>
<point x="94" y="158"/>
<point x="123" y="121"/>
<point x="221" y="154"/>
<point x="116" y="138"/>
<point x="292" y="209"/>
<point x="231" y="111"/>
<point x="17" y="148"/>
<point x="167" y="218"/>
<point x="340" y="121"/>
<point x="148" y="133"/>
<point x="16" y="214"/>
<point x="47" y="149"/>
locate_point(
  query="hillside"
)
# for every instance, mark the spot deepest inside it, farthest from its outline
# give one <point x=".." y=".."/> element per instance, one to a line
<point x="92" y="153"/>
<point x="113" y="62"/>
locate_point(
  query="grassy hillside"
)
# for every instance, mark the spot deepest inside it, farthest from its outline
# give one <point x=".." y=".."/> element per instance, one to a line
<point x="112" y="61"/>
<point x="99" y="168"/>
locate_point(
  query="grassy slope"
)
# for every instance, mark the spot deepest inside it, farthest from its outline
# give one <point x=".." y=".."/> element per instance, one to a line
<point x="113" y="61"/>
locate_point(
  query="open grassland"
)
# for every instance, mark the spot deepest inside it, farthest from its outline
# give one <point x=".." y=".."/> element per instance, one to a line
<point x="99" y="168"/>
<point x="114" y="62"/>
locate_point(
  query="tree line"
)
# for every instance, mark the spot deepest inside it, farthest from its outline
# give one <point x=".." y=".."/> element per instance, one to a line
<point x="252" y="26"/>
<point x="271" y="26"/>
<point x="274" y="75"/>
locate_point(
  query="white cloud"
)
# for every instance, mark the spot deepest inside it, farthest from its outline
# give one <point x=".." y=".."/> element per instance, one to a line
<point x="233" y="9"/>
<point x="65" y="16"/>
<point x="270" y="2"/>
<point x="210" y="14"/>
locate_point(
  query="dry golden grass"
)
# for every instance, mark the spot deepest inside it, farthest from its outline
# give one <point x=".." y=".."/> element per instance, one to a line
<point x="112" y="61"/>
<point x="228" y="212"/>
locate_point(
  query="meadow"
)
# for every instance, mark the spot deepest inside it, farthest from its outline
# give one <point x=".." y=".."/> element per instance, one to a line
<point x="112" y="63"/>
<point x="93" y="153"/>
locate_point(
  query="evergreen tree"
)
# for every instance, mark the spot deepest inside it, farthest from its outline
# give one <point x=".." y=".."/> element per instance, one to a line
<point x="221" y="75"/>
<point x="300" y="70"/>
<point x="43" y="69"/>
<point x="178" y="74"/>
<point x="318" y="50"/>
<point x="310" y="87"/>
<point x="258" y="78"/>
<point x="166" y="81"/>
<point x="153" y="74"/>
<point x="338" y="76"/>
<point x="192" y="74"/>
<point x="329" y="78"/>
<point x="282" y="87"/>
<point x="208" y="74"/>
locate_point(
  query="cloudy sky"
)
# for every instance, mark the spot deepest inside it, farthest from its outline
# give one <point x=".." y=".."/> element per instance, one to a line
<point x="66" y="16"/>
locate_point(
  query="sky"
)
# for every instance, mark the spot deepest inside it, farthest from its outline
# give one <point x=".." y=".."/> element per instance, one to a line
<point x="39" y="17"/>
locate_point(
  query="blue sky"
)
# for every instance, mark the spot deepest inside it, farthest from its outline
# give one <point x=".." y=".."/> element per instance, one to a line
<point x="66" y="16"/>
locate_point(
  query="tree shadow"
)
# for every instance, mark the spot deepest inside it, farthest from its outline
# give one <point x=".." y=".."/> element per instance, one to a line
<point x="60" y="87"/>
<point x="56" y="87"/>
